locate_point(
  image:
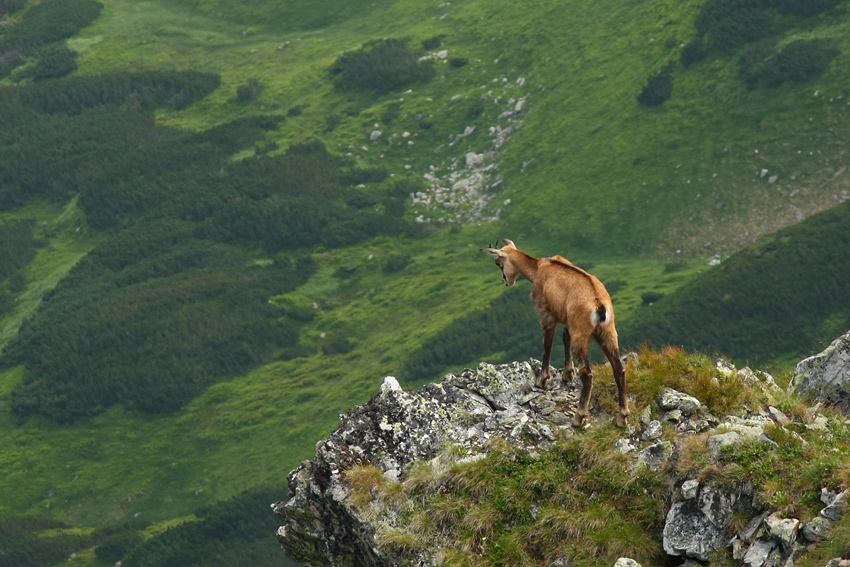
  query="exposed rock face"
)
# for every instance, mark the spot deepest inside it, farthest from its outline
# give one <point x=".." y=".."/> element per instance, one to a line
<point x="397" y="428"/>
<point x="323" y="525"/>
<point x="826" y="375"/>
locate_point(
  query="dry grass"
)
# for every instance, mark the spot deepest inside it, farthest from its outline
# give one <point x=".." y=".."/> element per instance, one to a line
<point x="672" y="367"/>
<point x="693" y="455"/>
<point x="401" y="542"/>
<point x="421" y="476"/>
<point x="364" y="481"/>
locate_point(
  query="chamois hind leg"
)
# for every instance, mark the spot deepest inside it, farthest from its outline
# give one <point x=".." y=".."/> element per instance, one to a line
<point x="612" y="353"/>
<point x="586" y="382"/>
<point x="548" y="339"/>
<point x="569" y="371"/>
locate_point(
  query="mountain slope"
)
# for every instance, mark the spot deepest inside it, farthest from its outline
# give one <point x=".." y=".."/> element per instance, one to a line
<point x="783" y="296"/>
<point x="530" y="129"/>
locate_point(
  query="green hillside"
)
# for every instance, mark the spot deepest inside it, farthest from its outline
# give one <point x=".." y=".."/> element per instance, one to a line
<point x="221" y="224"/>
<point x="784" y="296"/>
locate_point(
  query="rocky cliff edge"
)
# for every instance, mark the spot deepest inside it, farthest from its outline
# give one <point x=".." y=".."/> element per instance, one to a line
<point x="352" y="505"/>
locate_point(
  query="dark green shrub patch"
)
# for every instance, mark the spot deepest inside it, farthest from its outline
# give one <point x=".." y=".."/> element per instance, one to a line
<point x="509" y="323"/>
<point x="7" y="304"/>
<point x="149" y="320"/>
<point x="250" y="90"/>
<point x="141" y="91"/>
<point x="804" y="7"/>
<point x="729" y="24"/>
<point x="800" y="60"/>
<point x="741" y="308"/>
<point x="694" y="51"/>
<point x="238" y="531"/>
<point x="433" y="42"/>
<point x="658" y="88"/>
<point x="724" y="26"/>
<point x="55" y="61"/>
<point x="395" y="263"/>
<point x="47" y="22"/>
<point x="115" y="545"/>
<point x="650" y="297"/>
<point x="17" y="246"/>
<point x="11" y="6"/>
<point x="172" y="302"/>
<point x="51" y="20"/>
<point x="25" y="546"/>
<point x="381" y="65"/>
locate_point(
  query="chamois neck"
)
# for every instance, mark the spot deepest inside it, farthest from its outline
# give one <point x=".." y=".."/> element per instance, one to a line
<point x="525" y="263"/>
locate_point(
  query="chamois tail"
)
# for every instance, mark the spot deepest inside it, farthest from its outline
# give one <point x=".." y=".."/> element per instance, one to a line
<point x="600" y="315"/>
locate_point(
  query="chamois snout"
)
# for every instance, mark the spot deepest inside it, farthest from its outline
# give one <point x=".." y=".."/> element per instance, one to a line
<point x="509" y="271"/>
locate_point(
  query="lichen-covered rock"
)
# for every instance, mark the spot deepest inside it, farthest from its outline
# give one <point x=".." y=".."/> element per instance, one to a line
<point x="393" y="430"/>
<point x="689" y="533"/>
<point x="652" y="432"/>
<point x="390" y="432"/>
<point x="837" y="507"/>
<point x="653" y="457"/>
<point x="783" y="529"/>
<point x="689" y="489"/>
<point x="826" y="375"/>
<point x="716" y="443"/>
<point x="761" y="553"/>
<point x="816" y="530"/>
<point x="670" y="399"/>
<point x="700" y="525"/>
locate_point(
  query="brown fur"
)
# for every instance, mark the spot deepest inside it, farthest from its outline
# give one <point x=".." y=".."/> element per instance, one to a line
<point x="566" y="294"/>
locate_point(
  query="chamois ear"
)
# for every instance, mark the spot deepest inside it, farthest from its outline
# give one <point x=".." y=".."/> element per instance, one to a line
<point x="493" y="252"/>
<point x="509" y="243"/>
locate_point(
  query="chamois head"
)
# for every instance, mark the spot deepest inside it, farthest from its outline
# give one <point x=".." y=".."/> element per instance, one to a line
<point x="510" y="272"/>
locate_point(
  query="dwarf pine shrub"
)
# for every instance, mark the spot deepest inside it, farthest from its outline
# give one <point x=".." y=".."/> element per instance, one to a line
<point x="382" y="66"/>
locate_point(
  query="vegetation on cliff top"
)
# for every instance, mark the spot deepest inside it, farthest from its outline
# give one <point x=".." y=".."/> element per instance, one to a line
<point x="585" y="501"/>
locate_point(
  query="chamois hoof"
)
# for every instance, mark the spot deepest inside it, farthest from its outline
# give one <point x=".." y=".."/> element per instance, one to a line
<point x="621" y="420"/>
<point x="540" y="382"/>
<point x="578" y="420"/>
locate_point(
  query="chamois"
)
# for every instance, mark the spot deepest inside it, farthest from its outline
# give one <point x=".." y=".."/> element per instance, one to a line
<point x="566" y="294"/>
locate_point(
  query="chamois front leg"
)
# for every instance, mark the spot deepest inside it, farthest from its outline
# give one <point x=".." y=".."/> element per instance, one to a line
<point x="548" y="339"/>
<point x="569" y="371"/>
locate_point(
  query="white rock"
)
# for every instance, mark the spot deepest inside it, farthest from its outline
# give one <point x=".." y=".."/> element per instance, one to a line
<point x="390" y="385"/>
<point x="783" y="529"/>
<point x="759" y="553"/>
<point x="689" y="489"/>
<point x="652" y="432"/>
<point x="670" y="399"/>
